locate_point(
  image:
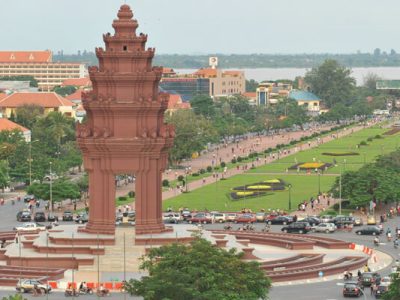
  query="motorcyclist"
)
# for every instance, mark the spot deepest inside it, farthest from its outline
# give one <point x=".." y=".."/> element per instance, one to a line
<point x="103" y="291"/>
<point x="396" y="243"/>
<point x="376" y="241"/>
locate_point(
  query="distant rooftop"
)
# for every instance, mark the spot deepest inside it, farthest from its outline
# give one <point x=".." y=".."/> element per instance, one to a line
<point x="303" y="96"/>
<point x="25" y="56"/>
<point x="388" y="84"/>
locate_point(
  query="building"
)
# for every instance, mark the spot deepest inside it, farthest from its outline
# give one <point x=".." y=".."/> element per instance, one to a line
<point x="80" y="83"/>
<point x="223" y="83"/>
<point x="308" y="99"/>
<point x="10" y="86"/>
<point x="251" y="96"/>
<point x="49" y="101"/>
<point x="208" y="81"/>
<point x="175" y="103"/>
<point x="186" y="87"/>
<point x="269" y="93"/>
<point x="7" y="125"/>
<point x="39" y="64"/>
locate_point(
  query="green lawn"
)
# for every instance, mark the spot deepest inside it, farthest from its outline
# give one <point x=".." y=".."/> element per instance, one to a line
<point x="216" y="196"/>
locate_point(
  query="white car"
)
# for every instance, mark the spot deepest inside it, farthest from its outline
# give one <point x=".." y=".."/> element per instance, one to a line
<point x="218" y="217"/>
<point x="171" y="217"/>
<point x="326" y="219"/>
<point x="231" y="217"/>
<point x="30" y="227"/>
<point x="324" y="227"/>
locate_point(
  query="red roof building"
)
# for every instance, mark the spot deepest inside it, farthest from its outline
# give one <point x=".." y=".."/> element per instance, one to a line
<point x="75" y="97"/>
<point x="7" y="125"/>
<point x="78" y="82"/>
<point x="175" y="102"/>
<point x="25" y="56"/>
<point x="49" y="101"/>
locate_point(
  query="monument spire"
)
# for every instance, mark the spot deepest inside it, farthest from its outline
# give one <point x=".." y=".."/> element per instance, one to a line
<point x="125" y="131"/>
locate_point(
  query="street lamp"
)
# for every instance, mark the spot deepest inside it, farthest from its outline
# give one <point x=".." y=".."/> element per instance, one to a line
<point x="290" y="196"/>
<point x="51" y="190"/>
<point x="30" y="160"/>
<point x="319" y="180"/>
<point x="340" y="193"/>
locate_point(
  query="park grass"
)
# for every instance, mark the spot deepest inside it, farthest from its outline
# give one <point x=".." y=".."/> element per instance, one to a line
<point x="216" y="196"/>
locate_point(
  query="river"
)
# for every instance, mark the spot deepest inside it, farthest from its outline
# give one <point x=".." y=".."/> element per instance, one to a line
<point x="263" y="74"/>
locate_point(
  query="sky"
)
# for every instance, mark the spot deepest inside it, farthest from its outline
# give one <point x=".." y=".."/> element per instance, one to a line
<point x="207" y="26"/>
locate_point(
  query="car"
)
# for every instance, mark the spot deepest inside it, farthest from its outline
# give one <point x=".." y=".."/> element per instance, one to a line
<point x="50" y="177"/>
<point x="371" y="220"/>
<point x="369" y="278"/>
<point x="260" y="217"/>
<point x="218" y="217"/>
<point x="311" y="220"/>
<point x="283" y="220"/>
<point x="24" y="216"/>
<point x="297" y="227"/>
<point x="27" y="285"/>
<point x="324" y="227"/>
<point x="270" y="217"/>
<point x="369" y="230"/>
<point x="29" y="198"/>
<point x="326" y="219"/>
<point x="82" y="218"/>
<point x="200" y="218"/>
<point x="352" y="288"/>
<point x="126" y="218"/>
<point x="171" y="217"/>
<point x="358" y="221"/>
<point x="245" y="218"/>
<point x="52" y="217"/>
<point x="186" y="215"/>
<point x="230" y="217"/>
<point x="382" y="289"/>
<point x="39" y="216"/>
<point x="30" y="227"/>
<point x="68" y="216"/>
<point x="342" y="221"/>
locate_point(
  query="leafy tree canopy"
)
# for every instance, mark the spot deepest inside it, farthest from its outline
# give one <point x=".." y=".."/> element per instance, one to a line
<point x="60" y="189"/>
<point x="394" y="289"/>
<point x="331" y="82"/>
<point x="199" y="271"/>
<point x="65" y="90"/>
<point x="28" y="114"/>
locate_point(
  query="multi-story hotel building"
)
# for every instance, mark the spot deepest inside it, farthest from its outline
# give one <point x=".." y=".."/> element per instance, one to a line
<point x="40" y="65"/>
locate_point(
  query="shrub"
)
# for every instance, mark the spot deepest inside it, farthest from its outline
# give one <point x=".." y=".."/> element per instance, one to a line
<point x="378" y="136"/>
<point x="165" y="183"/>
<point x="233" y="160"/>
<point x="216" y="168"/>
<point x="370" y="139"/>
<point x="209" y="169"/>
<point x="195" y="174"/>
<point x="122" y="198"/>
<point x="239" y="159"/>
<point x="202" y="171"/>
<point x="223" y="164"/>
<point x="363" y="143"/>
<point x="180" y="178"/>
<point x="132" y="194"/>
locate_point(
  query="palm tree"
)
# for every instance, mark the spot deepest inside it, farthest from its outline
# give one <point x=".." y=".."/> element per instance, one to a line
<point x="60" y="126"/>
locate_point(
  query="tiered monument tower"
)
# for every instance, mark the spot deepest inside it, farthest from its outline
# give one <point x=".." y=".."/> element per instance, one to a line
<point x="125" y="131"/>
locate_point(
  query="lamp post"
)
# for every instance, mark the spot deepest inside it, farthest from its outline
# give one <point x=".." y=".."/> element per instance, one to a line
<point x="340" y="193"/>
<point x="319" y="180"/>
<point x="51" y="190"/>
<point x="30" y="160"/>
<point x="290" y="196"/>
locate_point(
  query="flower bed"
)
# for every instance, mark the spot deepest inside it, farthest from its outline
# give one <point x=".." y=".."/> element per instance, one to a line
<point x="340" y="153"/>
<point x="247" y="194"/>
<point x="310" y="166"/>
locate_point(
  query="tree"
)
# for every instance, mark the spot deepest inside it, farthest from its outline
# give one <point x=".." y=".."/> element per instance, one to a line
<point x="192" y="134"/>
<point x="61" y="189"/>
<point x="370" y="80"/>
<point x="251" y="85"/>
<point x="331" y="82"/>
<point x="394" y="289"/>
<point x="65" y="90"/>
<point x="199" y="271"/>
<point x="202" y="105"/>
<point x="28" y="114"/>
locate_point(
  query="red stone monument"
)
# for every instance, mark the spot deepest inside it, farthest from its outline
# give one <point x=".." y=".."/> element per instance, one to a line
<point x="125" y="131"/>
